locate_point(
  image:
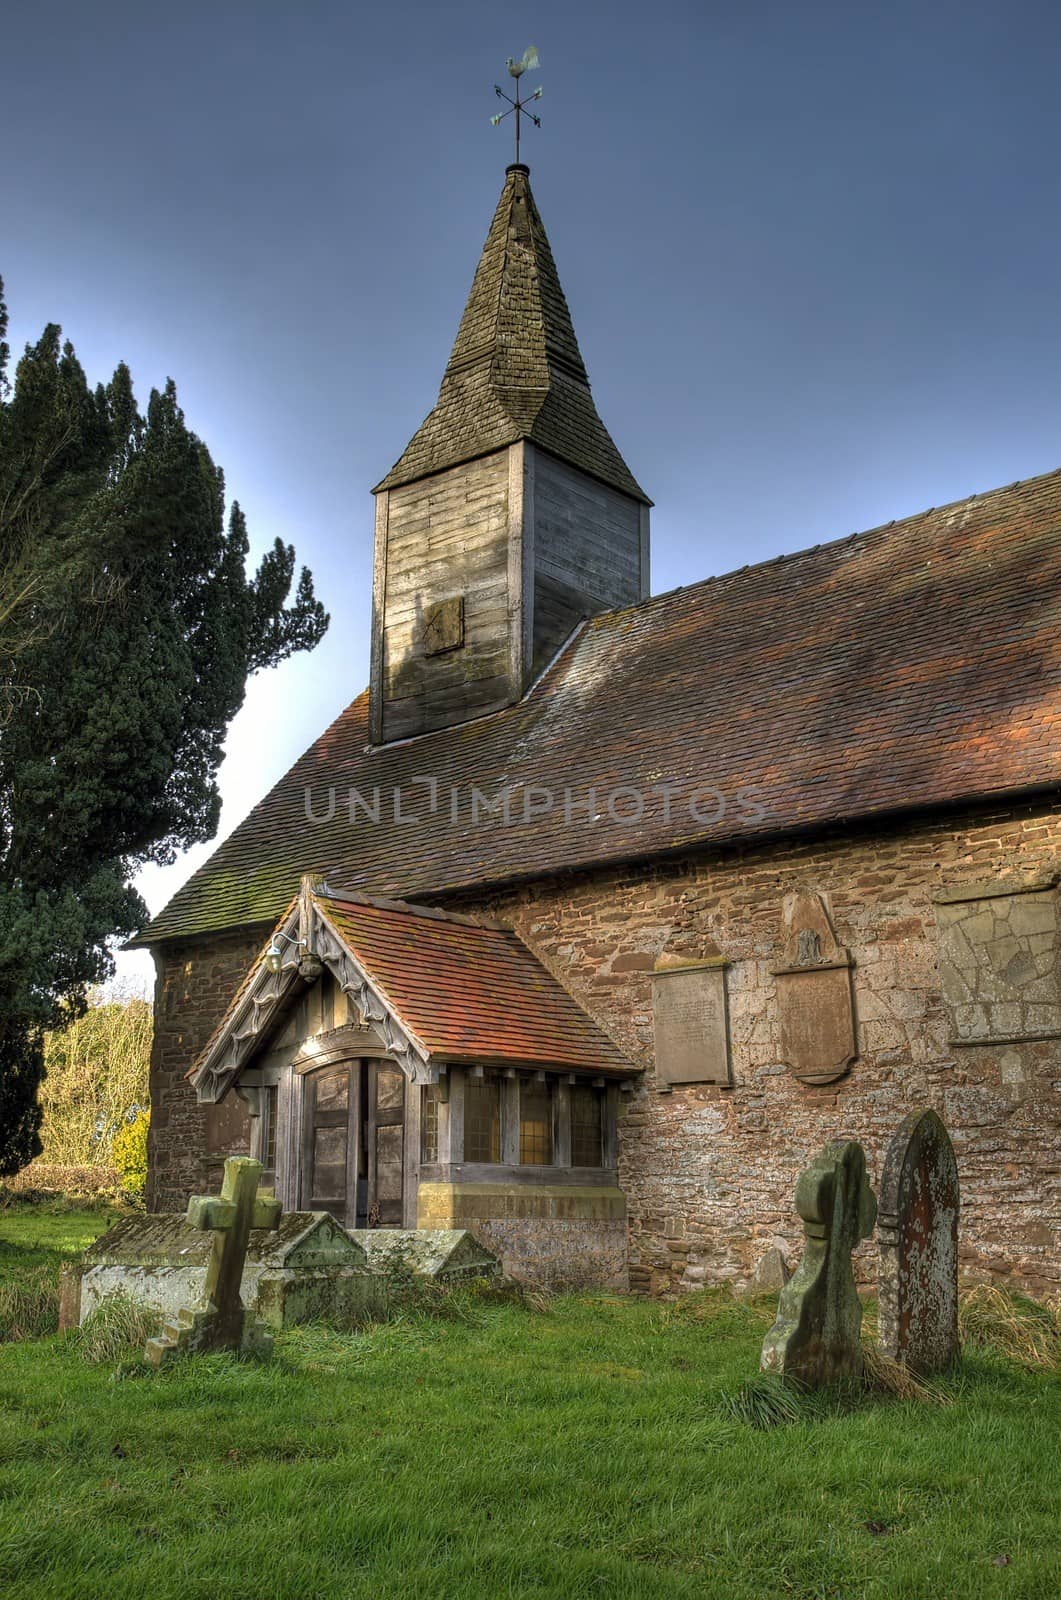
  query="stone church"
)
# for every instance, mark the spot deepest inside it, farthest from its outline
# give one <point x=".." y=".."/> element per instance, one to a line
<point x="597" y="914"/>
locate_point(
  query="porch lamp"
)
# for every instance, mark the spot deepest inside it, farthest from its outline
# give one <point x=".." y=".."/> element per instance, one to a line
<point x="274" y="956"/>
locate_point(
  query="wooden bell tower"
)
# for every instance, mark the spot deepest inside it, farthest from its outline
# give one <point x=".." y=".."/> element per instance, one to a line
<point x="511" y="515"/>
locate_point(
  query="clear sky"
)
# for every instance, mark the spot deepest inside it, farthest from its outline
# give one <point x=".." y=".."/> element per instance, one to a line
<point x="811" y="250"/>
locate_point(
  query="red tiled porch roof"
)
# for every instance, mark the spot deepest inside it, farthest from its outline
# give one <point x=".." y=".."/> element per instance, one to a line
<point x="460" y="991"/>
<point x="468" y="992"/>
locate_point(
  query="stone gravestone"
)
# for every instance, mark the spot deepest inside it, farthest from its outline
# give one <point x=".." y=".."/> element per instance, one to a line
<point x="819" y="1318"/>
<point x="306" y="1268"/>
<point x="221" y="1321"/>
<point x="918" y="1235"/>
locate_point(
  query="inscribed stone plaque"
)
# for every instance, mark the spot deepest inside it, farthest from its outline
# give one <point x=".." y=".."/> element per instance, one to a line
<point x="1000" y="960"/>
<point x="691" y="1023"/>
<point x="816" y="1014"/>
<point x="918" y="1233"/>
<point x="444" y="626"/>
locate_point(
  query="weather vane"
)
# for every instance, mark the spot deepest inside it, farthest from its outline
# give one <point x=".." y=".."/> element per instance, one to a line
<point x="518" y="107"/>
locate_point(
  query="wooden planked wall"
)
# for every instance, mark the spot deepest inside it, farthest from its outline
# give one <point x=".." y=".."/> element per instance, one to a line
<point x="445" y="536"/>
<point x="587" y="546"/>
<point x="530" y="544"/>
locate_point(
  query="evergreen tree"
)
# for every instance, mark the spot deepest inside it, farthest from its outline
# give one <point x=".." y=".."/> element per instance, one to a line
<point x="128" y="630"/>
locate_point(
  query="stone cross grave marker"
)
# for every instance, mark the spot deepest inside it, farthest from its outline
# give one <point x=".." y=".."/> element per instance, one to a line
<point x="819" y="1318"/>
<point x="918" y="1237"/>
<point x="221" y="1321"/>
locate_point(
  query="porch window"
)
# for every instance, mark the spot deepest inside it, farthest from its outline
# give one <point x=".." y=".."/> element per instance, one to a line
<point x="482" y="1119"/>
<point x="587" y="1108"/>
<point x="429" y="1123"/>
<point x="535" y="1124"/>
<point x="270" y="1097"/>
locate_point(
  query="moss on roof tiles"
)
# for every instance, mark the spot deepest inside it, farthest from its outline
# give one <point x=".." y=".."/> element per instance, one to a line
<point x="914" y="666"/>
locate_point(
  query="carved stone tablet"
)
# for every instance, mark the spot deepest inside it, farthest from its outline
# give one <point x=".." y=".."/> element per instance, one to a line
<point x="444" y="626"/>
<point x="1000" y="959"/>
<point x="691" y="1022"/>
<point x="815" y="1004"/>
<point x="918" y="1234"/>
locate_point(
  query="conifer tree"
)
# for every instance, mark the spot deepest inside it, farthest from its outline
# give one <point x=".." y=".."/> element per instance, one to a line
<point x="128" y="629"/>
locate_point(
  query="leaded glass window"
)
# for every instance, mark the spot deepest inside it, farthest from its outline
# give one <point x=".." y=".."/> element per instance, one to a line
<point x="482" y="1119"/>
<point x="271" y="1098"/>
<point x="587" y="1106"/>
<point x="429" y="1123"/>
<point x="535" y="1124"/>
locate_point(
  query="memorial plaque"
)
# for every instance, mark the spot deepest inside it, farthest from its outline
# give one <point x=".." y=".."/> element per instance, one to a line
<point x="1000" y="959"/>
<point x="815" y="1004"/>
<point x="691" y="1022"/>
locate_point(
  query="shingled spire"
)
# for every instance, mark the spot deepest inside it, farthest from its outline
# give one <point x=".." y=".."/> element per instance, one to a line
<point x="511" y="515"/>
<point x="515" y="371"/>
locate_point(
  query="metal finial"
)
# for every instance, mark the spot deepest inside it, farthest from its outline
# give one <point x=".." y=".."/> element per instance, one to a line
<point x="518" y="107"/>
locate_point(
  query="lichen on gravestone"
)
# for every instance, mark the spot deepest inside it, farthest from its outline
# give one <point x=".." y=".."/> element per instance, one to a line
<point x="221" y="1321"/>
<point x="816" y="1338"/>
<point x="918" y="1235"/>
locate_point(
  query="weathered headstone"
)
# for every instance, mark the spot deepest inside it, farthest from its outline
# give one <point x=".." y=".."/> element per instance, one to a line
<point x="770" y="1274"/>
<point x="221" y="1321"/>
<point x="819" y="1319"/>
<point x="918" y="1236"/>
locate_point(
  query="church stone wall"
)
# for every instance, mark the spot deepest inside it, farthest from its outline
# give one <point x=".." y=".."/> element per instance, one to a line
<point x="709" y="1170"/>
<point x="188" y="1142"/>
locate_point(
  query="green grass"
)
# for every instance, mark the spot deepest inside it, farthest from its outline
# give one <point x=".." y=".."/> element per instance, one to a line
<point x="49" y="1232"/>
<point x="34" y="1241"/>
<point x="582" y="1451"/>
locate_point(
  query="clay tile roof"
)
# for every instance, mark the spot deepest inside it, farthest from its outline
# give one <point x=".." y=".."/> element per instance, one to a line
<point x="470" y="992"/>
<point x="516" y="371"/>
<point x="462" y="991"/>
<point x="911" y="667"/>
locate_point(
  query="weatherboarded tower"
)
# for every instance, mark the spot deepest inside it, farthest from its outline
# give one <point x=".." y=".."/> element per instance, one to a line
<point x="511" y="515"/>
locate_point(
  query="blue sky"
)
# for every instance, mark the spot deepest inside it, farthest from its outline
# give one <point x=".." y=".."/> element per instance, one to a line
<point x="811" y="250"/>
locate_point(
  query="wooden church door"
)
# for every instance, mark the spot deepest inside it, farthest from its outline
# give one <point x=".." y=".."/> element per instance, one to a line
<point x="385" y="1140"/>
<point x="353" y="1142"/>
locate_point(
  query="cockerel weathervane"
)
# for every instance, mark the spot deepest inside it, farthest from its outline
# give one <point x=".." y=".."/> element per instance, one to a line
<point x="518" y="107"/>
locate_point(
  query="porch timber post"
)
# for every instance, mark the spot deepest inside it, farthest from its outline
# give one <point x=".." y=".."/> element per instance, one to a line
<point x="454" y="1121"/>
<point x="510" y="1121"/>
<point x="562" y="1131"/>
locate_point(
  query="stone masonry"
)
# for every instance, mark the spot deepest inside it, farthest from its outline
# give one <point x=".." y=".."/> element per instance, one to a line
<point x="708" y="1169"/>
<point x="188" y="1142"/>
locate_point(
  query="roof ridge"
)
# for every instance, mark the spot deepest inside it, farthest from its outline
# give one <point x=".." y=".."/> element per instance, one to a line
<point x="604" y="617"/>
<point x="379" y="902"/>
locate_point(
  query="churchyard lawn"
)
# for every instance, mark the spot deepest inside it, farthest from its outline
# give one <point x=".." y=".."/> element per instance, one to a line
<point x="579" y="1450"/>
